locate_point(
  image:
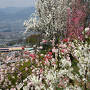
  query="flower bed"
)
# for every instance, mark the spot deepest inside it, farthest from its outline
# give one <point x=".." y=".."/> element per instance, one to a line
<point x="65" y="67"/>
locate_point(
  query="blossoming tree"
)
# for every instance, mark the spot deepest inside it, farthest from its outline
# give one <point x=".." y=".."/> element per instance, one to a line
<point x="76" y="20"/>
<point x="50" y="17"/>
<point x="64" y="67"/>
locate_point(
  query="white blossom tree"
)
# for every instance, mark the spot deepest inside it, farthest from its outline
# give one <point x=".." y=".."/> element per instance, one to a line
<point x="50" y="17"/>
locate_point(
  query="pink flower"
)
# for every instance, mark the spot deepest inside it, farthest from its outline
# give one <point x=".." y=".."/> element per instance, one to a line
<point x="69" y="45"/>
<point x="62" y="45"/>
<point x="50" y="53"/>
<point x="71" y="34"/>
<point x="44" y="41"/>
<point x="26" y="52"/>
<point x="68" y="58"/>
<point x="54" y="63"/>
<point x="46" y="61"/>
<point x="41" y="70"/>
<point x="33" y="56"/>
<point x="12" y="89"/>
<point x="81" y="37"/>
<point x="76" y="20"/>
<point x="26" y="68"/>
<point x="64" y="50"/>
<point x="61" y="84"/>
<point x="48" y="57"/>
<point x="54" y="50"/>
<point x="66" y="79"/>
<point x="29" y="84"/>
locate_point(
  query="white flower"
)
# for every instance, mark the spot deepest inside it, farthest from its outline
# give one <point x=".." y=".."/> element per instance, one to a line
<point x="62" y="72"/>
<point x="51" y="87"/>
<point x="84" y="79"/>
<point x="25" y="88"/>
<point x="65" y="62"/>
<point x="19" y="86"/>
<point x="35" y="80"/>
<point x="70" y="75"/>
<point x="87" y="29"/>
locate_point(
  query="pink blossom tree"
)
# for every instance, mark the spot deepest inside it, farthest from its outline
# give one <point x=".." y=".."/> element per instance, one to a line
<point x="76" y="20"/>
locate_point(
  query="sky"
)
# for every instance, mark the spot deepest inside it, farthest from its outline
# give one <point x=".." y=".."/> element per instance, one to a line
<point x="16" y="3"/>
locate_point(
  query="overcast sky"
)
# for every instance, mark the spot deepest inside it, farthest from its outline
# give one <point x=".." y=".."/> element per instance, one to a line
<point x="16" y="3"/>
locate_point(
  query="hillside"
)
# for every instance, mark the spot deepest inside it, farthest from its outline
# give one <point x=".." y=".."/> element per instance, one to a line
<point x="11" y="21"/>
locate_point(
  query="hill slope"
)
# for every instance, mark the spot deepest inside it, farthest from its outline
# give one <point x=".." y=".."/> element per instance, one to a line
<point x="11" y="21"/>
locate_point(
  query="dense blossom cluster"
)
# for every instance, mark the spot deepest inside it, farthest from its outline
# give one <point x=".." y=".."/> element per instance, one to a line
<point x="50" y="16"/>
<point x="76" y="20"/>
<point x="63" y="72"/>
<point x="65" y="66"/>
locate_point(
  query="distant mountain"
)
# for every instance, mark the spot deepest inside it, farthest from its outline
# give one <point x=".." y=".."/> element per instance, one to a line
<point x="12" y="9"/>
<point x="12" y="18"/>
<point x="11" y="21"/>
<point x="14" y="13"/>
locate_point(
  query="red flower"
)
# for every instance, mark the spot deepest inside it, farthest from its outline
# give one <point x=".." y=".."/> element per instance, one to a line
<point x="50" y="53"/>
<point x="71" y="34"/>
<point x="66" y="40"/>
<point x="48" y="57"/>
<point x="22" y="48"/>
<point x="62" y="50"/>
<point x="33" y="56"/>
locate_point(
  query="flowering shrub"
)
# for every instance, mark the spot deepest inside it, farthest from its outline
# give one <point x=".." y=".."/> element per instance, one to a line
<point x="66" y="67"/>
<point x="70" y="70"/>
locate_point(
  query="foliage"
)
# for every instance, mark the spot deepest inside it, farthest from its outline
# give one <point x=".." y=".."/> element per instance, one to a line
<point x="33" y="39"/>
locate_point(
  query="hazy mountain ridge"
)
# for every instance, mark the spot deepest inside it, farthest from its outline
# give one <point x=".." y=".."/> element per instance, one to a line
<point x="14" y="17"/>
<point x="11" y="21"/>
<point x="13" y="13"/>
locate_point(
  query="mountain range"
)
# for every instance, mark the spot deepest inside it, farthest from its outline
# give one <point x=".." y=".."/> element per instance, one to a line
<point x="14" y="13"/>
<point x="11" y="21"/>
